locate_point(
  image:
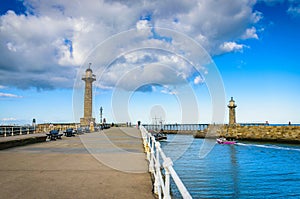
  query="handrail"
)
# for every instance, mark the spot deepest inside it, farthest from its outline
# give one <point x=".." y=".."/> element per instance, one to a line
<point x="154" y="155"/>
<point x="16" y="130"/>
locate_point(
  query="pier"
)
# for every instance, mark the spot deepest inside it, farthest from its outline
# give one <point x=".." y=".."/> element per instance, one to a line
<point x="67" y="169"/>
<point x="175" y="127"/>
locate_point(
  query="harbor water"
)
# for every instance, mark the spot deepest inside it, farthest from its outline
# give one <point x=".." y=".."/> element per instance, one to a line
<point x="245" y="170"/>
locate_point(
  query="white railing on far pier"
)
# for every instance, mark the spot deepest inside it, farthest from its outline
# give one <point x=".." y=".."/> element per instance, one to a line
<point x="154" y="155"/>
<point x="16" y="130"/>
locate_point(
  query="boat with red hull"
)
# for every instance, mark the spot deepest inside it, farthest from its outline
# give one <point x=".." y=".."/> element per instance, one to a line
<point x="225" y="141"/>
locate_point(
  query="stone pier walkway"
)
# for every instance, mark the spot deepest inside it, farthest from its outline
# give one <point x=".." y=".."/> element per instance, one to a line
<point x="106" y="164"/>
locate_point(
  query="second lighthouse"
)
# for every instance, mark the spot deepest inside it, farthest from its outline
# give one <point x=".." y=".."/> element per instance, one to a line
<point x="88" y="78"/>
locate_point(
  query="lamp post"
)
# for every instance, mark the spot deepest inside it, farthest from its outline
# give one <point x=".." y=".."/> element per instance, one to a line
<point x="101" y="111"/>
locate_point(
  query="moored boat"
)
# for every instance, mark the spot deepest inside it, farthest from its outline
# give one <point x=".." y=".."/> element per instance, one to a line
<point x="160" y="136"/>
<point x="225" y="141"/>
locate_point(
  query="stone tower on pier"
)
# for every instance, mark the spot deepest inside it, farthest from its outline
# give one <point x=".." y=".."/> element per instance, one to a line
<point x="232" y="106"/>
<point x="88" y="78"/>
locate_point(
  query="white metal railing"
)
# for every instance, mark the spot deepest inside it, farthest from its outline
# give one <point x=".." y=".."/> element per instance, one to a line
<point x="154" y="155"/>
<point x="16" y="130"/>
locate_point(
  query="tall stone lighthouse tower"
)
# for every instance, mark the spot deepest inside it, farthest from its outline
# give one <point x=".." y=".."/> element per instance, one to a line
<point x="88" y="78"/>
<point x="232" y="106"/>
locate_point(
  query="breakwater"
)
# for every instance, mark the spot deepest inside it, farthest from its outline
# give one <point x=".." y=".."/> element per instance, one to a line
<point x="242" y="131"/>
<point x="270" y="133"/>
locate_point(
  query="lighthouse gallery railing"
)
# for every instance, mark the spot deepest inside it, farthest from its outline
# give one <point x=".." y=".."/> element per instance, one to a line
<point x="154" y="155"/>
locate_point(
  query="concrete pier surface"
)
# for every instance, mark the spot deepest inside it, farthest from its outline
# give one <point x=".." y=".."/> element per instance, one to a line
<point x="106" y="164"/>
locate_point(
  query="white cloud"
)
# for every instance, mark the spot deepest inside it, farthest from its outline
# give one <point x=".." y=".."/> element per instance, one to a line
<point x="45" y="47"/>
<point x="271" y="2"/>
<point x="9" y="95"/>
<point x="11" y="47"/>
<point x="145" y="67"/>
<point x="8" y="119"/>
<point x="169" y="92"/>
<point x="250" y="33"/>
<point x="231" y="46"/>
<point x="294" y="11"/>
<point x="198" y="80"/>
<point x="142" y="24"/>
<point x="144" y="27"/>
<point x="212" y="23"/>
<point x="293" y="5"/>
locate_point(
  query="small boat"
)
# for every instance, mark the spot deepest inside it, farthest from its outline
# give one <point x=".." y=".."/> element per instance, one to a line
<point x="160" y="136"/>
<point x="225" y="141"/>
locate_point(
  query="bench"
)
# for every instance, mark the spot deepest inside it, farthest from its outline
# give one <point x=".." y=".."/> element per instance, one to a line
<point x="69" y="132"/>
<point x="54" y="134"/>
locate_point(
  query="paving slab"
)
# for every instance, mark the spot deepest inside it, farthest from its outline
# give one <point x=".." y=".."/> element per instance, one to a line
<point x="106" y="164"/>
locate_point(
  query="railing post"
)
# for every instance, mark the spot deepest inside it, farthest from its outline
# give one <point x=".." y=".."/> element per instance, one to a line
<point x="12" y="131"/>
<point x="151" y="163"/>
<point x="168" y="162"/>
<point x="4" y="131"/>
<point x="161" y="186"/>
<point x="157" y="189"/>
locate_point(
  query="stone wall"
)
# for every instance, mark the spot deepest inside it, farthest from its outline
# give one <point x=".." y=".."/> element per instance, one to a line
<point x="45" y="128"/>
<point x="256" y="133"/>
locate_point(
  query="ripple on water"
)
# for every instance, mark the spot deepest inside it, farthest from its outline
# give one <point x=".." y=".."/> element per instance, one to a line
<point x="246" y="170"/>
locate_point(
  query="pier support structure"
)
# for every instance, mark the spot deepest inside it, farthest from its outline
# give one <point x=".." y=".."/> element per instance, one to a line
<point x="88" y="78"/>
<point x="232" y="117"/>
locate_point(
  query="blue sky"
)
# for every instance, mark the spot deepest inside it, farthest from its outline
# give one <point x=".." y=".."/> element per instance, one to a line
<point x="45" y="48"/>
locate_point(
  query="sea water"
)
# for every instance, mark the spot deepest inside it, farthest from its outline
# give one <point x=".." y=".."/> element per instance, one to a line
<point x="245" y="170"/>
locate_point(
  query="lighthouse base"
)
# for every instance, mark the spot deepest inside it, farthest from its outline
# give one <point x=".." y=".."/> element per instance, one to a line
<point x="87" y="122"/>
